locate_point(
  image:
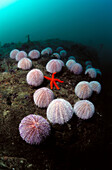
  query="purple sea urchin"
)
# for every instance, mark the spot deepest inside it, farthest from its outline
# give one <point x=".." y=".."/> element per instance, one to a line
<point x="34" y="129"/>
<point x="59" y="49"/>
<point x="20" y="55"/>
<point x="56" y="55"/>
<point x="45" y="52"/>
<point x="84" y="109"/>
<point x="24" y="64"/>
<point x="34" y="54"/>
<point x="35" y="77"/>
<point x="91" y="72"/>
<point x="13" y="53"/>
<point x="59" y="111"/>
<point x="49" y="49"/>
<point x="69" y="63"/>
<point x="54" y="65"/>
<point x="63" y="53"/>
<point x="43" y="96"/>
<point x="76" y="68"/>
<point x="96" y="86"/>
<point x="83" y="90"/>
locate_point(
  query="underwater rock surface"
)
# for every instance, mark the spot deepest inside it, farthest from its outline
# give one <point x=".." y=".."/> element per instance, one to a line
<point x="67" y="144"/>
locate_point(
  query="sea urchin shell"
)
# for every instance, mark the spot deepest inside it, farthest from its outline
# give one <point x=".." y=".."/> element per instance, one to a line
<point x="43" y="96"/>
<point x="24" y="64"/>
<point x="13" y="53"/>
<point x="84" y="109"/>
<point x="69" y="63"/>
<point x="76" y="68"/>
<point x="83" y="90"/>
<point x="34" y="128"/>
<point x="63" y="53"/>
<point x="91" y="72"/>
<point x="35" y="77"/>
<point x="20" y="55"/>
<point x="34" y="54"/>
<point x="96" y="86"/>
<point x="59" y="111"/>
<point x="54" y="65"/>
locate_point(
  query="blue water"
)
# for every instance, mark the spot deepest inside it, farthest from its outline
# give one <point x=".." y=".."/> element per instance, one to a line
<point x="83" y="21"/>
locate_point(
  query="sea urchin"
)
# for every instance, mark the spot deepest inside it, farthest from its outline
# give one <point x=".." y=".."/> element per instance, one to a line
<point x="34" y="129"/>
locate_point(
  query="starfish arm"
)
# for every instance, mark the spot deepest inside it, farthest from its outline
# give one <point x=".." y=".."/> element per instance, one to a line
<point x="48" y="78"/>
<point x="56" y="85"/>
<point x="53" y="75"/>
<point x="51" y="84"/>
<point x="52" y="81"/>
<point x="59" y="80"/>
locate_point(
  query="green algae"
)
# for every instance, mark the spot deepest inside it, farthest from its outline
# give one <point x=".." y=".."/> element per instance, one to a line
<point x="6" y="112"/>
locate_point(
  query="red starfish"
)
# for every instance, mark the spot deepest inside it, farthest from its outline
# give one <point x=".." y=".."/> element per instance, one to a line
<point x="53" y="81"/>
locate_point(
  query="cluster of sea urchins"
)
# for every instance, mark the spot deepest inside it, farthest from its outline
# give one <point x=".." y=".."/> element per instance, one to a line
<point x="34" y="128"/>
<point x="73" y="66"/>
<point x="91" y="71"/>
<point x="85" y="109"/>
